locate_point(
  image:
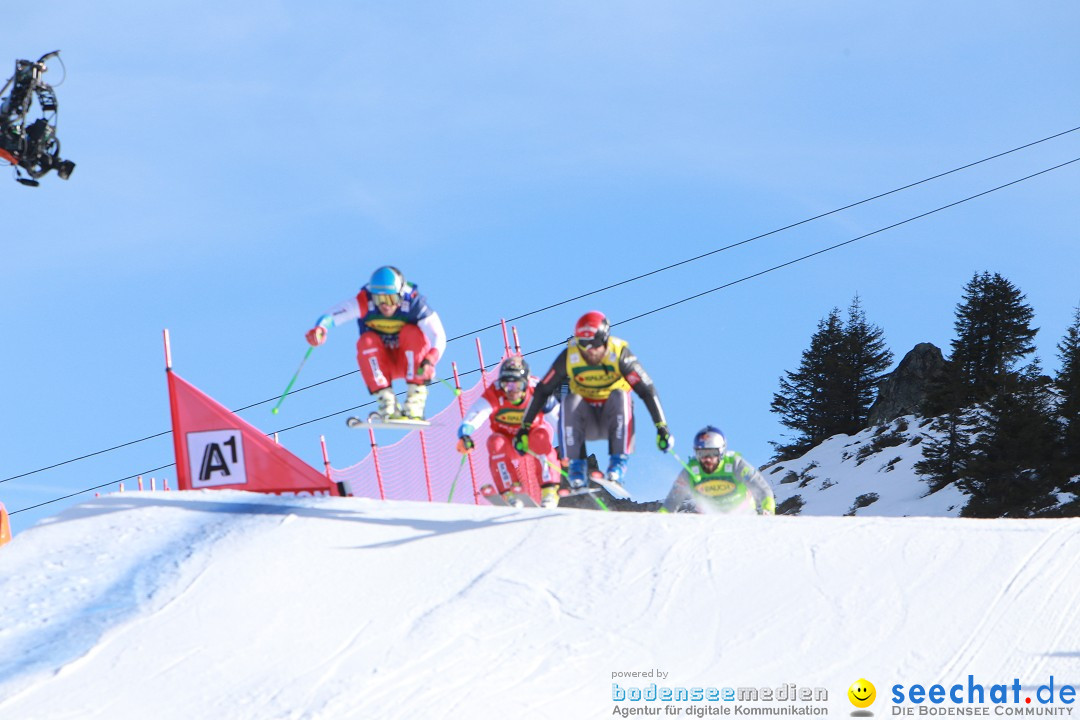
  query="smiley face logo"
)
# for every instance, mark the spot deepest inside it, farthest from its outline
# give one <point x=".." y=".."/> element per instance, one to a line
<point x="862" y="693"/>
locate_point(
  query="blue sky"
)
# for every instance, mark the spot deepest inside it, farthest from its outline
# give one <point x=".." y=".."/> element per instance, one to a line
<point x="243" y="166"/>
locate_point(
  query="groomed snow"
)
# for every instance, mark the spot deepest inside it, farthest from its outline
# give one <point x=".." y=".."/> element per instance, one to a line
<point x="231" y="605"/>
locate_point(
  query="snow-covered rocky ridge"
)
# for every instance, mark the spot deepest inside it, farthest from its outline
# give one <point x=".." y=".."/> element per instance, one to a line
<point x="869" y="473"/>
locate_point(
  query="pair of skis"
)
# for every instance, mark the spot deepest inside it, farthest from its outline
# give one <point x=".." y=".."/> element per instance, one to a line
<point x="615" y="490"/>
<point x="517" y="495"/>
<point x="393" y="423"/>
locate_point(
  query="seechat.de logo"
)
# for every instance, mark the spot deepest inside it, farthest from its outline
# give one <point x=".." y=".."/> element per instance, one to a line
<point x="862" y="694"/>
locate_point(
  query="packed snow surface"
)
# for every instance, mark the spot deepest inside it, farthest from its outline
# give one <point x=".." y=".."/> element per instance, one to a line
<point x="231" y="605"/>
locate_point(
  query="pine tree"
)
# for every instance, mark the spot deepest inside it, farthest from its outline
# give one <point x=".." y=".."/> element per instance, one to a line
<point x="944" y="457"/>
<point x="803" y="396"/>
<point x="834" y="387"/>
<point x="1067" y="383"/>
<point x="865" y="360"/>
<point x="1010" y="469"/>
<point x="993" y="332"/>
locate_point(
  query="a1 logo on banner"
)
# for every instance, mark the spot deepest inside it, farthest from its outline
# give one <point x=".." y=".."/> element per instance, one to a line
<point x="216" y="457"/>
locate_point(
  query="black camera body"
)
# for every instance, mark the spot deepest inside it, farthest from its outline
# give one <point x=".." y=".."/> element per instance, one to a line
<point x="34" y="147"/>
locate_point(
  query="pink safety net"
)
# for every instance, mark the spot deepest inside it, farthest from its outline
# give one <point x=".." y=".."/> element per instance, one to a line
<point x="422" y="465"/>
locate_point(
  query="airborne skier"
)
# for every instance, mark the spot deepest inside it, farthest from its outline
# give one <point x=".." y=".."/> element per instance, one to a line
<point x="401" y="337"/>
<point x="601" y="371"/>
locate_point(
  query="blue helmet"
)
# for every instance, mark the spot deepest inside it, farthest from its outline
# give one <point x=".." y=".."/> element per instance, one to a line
<point x="710" y="440"/>
<point x="387" y="280"/>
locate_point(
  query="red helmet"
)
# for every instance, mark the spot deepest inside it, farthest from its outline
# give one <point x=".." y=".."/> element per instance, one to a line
<point x="592" y="329"/>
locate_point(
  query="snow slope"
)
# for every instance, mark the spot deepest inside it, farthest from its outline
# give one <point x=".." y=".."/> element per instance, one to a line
<point x="232" y="605"/>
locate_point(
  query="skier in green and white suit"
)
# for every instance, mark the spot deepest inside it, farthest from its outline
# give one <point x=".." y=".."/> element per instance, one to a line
<point x="718" y="480"/>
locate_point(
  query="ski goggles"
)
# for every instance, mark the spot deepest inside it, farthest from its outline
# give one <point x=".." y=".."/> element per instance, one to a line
<point x="704" y="453"/>
<point x="386" y="299"/>
<point x="590" y="343"/>
<point x="513" y="385"/>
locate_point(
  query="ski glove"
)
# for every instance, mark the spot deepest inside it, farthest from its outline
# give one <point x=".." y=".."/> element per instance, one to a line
<point x="465" y="445"/>
<point x="316" y="336"/>
<point x="521" y="440"/>
<point x="664" y="439"/>
<point x="427" y="366"/>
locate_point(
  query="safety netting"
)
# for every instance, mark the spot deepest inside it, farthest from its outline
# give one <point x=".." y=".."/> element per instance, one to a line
<point x="425" y="465"/>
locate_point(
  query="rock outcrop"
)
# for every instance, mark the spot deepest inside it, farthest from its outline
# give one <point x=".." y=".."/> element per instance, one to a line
<point x="903" y="390"/>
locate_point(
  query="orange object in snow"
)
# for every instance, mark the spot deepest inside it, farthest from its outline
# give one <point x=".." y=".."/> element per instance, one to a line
<point x="5" y="526"/>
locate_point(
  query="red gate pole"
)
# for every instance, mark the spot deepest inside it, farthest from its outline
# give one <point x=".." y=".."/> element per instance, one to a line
<point x="506" y="338"/>
<point x="533" y="484"/>
<point x="378" y="470"/>
<point x="427" y="471"/>
<point x="480" y="354"/>
<point x="461" y="406"/>
<point x="325" y="457"/>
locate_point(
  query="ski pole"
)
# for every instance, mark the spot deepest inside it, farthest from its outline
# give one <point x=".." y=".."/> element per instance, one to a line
<point x="456" y="391"/>
<point x="685" y="466"/>
<point x="557" y="466"/>
<point x="456" y="476"/>
<point x="295" y="375"/>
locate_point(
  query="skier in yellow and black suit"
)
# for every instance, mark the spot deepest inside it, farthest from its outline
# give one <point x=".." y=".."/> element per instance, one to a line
<point x="601" y="371"/>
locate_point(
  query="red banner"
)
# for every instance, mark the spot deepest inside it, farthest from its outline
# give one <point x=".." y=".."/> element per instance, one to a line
<point x="216" y="449"/>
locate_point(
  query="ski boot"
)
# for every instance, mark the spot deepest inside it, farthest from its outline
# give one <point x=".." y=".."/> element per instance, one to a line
<point x="549" y="496"/>
<point x="616" y="469"/>
<point x="575" y="474"/>
<point x="512" y="499"/>
<point x="387" y="405"/>
<point x="415" y="399"/>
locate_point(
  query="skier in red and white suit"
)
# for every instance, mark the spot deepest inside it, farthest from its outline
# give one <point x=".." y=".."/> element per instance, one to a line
<point x="401" y="337"/>
<point x="503" y="404"/>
